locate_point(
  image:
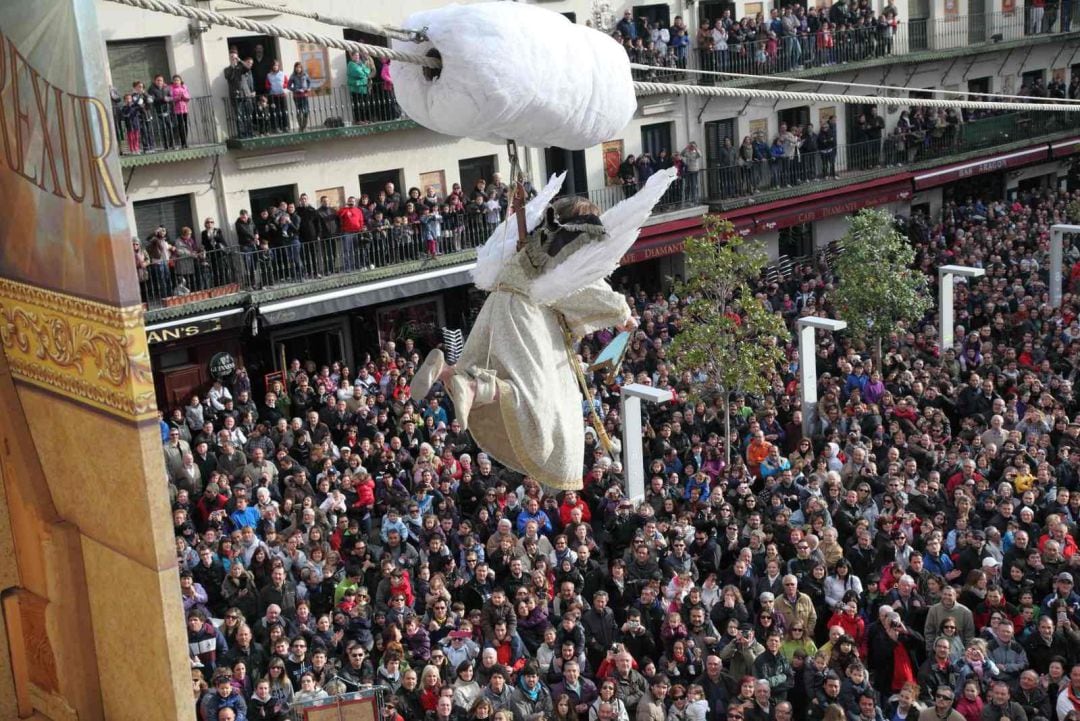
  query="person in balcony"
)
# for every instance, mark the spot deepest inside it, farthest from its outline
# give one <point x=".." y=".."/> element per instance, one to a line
<point x="162" y="125"/>
<point x="360" y="69"/>
<point x="242" y="91"/>
<point x="300" y="87"/>
<point x="179" y="98"/>
<point x="276" y="83"/>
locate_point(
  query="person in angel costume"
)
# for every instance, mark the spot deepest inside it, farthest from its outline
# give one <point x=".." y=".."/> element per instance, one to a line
<point x="513" y="385"/>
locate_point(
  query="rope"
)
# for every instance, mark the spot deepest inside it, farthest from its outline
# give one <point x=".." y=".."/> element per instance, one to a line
<point x="644" y="88"/>
<point x="594" y="417"/>
<point x="254" y="26"/>
<point x="362" y="25"/>
<point x="640" y="88"/>
<point x="839" y="83"/>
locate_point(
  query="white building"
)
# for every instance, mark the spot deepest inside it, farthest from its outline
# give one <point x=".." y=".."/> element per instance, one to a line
<point x="985" y="46"/>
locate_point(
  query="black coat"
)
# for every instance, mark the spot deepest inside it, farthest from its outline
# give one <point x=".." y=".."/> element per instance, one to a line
<point x="881" y="656"/>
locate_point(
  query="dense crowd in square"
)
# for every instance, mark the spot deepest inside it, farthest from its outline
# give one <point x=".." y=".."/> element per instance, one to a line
<point x="913" y="558"/>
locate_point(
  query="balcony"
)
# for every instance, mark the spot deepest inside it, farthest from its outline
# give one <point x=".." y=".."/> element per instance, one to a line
<point x="916" y="40"/>
<point x="684" y="194"/>
<point x="276" y="121"/>
<point x="168" y="137"/>
<point x="217" y="278"/>
<point x="766" y="178"/>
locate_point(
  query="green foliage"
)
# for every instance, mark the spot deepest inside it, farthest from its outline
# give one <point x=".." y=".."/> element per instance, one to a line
<point x="1072" y="211"/>
<point x="725" y="354"/>
<point x="878" y="290"/>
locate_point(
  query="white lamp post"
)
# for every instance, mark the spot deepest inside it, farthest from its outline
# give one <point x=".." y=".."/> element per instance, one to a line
<point x="633" y="457"/>
<point x="946" y="273"/>
<point x="1057" y="250"/>
<point x="808" y="364"/>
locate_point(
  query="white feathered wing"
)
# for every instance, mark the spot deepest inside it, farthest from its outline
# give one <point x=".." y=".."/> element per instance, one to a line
<point x="598" y="260"/>
<point x="502" y="244"/>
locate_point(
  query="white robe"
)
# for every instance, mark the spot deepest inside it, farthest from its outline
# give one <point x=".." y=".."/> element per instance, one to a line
<point x="536" y="426"/>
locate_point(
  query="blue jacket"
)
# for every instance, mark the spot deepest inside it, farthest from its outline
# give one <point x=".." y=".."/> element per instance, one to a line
<point x="541" y="519"/>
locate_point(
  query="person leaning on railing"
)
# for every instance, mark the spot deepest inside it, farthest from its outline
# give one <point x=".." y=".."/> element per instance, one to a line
<point x="242" y="92"/>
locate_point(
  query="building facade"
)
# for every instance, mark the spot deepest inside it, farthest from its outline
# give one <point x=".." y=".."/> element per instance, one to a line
<point x="794" y="205"/>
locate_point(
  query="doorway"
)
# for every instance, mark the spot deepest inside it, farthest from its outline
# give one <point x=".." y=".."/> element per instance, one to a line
<point x="1027" y="80"/>
<point x="715" y="133"/>
<point x="658" y="14"/>
<point x="656" y="137"/>
<point x="571" y="162"/>
<point x="981" y="86"/>
<point x="263" y="50"/>
<point x="795" y="117"/>
<point x="977" y="21"/>
<point x="797" y="241"/>
<point x="321" y="343"/>
<point x="712" y="10"/>
<point x="372" y="183"/>
<point x="918" y="24"/>
<point x="270" y="197"/>
<point x="471" y="170"/>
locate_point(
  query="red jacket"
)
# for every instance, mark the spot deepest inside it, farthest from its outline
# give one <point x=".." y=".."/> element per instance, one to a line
<point x="352" y="220"/>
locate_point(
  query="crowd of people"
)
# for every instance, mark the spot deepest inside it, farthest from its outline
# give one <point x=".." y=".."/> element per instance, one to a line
<point x="291" y="242"/>
<point x="796" y="37"/>
<point x="152" y="119"/>
<point x="912" y="559"/>
<point x="265" y="100"/>
<point x="801" y="154"/>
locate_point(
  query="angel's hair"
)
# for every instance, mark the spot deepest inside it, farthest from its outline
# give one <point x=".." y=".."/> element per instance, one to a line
<point x="574" y="207"/>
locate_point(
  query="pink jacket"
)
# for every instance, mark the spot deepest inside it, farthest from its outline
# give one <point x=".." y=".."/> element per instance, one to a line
<point x="180" y="97"/>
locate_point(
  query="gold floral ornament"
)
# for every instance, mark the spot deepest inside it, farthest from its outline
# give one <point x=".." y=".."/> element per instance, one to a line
<point x="92" y="351"/>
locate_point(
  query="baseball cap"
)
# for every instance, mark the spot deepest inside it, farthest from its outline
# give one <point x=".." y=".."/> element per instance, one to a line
<point x="1064" y="576"/>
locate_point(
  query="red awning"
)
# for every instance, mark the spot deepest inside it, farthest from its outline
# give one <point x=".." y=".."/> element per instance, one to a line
<point x="953" y="173"/>
<point x="1064" y="148"/>
<point x="835" y="203"/>
<point x="662" y="239"/>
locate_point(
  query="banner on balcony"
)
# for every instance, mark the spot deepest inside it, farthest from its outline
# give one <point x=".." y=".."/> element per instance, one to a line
<point x="613" y="157"/>
<point x="1008" y="6"/>
<point x="952" y="9"/>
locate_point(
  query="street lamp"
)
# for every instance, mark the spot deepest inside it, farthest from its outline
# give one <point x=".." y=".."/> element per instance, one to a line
<point x="633" y="458"/>
<point x="808" y="363"/>
<point x="1057" y="244"/>
<point x="946" y="273"/>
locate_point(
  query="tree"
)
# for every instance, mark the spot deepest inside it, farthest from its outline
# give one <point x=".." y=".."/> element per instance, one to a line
<point x="729" y="338"/>
<point x="878" y="288"/>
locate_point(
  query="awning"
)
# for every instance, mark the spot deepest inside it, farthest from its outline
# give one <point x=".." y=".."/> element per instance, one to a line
<point x="662" y="239"/>
<point x="842" y="203"/>
<point x="1067" y="147"/>
<point x="346" y="299"/>
<point x="200" y="325"/>
<point x="953" y="173"/>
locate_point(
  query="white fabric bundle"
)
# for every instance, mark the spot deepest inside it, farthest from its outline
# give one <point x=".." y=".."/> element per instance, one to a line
<point x="516" y="71"/>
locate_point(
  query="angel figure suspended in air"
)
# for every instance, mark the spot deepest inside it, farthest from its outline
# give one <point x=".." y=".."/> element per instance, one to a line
<point x="514" y="386"/>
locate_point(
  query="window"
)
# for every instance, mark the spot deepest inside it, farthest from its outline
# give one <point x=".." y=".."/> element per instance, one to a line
<point x="173" y="212"/>
<point x="131" y="60"/>
<point x="795" y="117"/>
<point x="472" y="169"/>
<point x="270" y="197"/>
<point x="372" y="183"/>
<point x="656" y="137"/>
